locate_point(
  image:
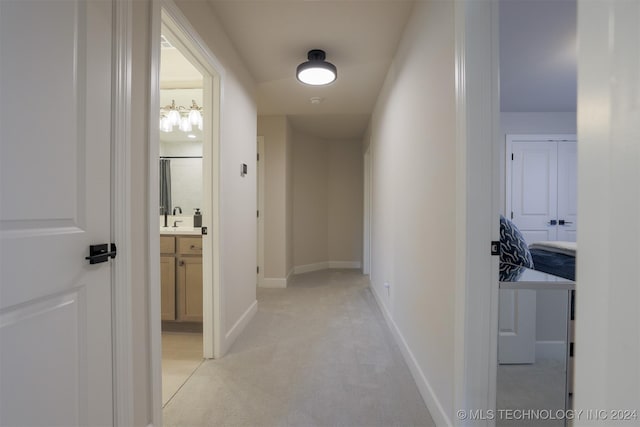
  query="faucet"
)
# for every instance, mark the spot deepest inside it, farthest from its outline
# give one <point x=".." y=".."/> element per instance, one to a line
<point x="175" y="223"/>
<point x="163" y="211"/>
<point x="177" y="208"/>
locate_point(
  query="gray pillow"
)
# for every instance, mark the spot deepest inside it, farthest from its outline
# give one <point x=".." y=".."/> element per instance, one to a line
<point x="514" y="251"/>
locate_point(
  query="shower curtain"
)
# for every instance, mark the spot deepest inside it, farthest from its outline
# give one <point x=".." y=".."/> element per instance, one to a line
<point x="165" y="186"/>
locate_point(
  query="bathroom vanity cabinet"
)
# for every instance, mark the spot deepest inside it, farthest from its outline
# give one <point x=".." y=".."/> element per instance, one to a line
<point x="181" y="278"/>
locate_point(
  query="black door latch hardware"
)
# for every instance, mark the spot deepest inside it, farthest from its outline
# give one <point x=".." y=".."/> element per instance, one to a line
<point x="100" y="253"/>
<point x="495" y="247"/>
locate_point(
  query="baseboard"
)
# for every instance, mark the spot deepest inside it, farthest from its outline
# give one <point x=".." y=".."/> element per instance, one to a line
<point x="310" y="267"/>
<point x="551" y="350"/>
<point x="428" y="395"/>
<point x="344" y="264"/>
<point x="274" y="283"/>
<point x="325" y="265"/>
<point x="239" y="326"/>
<point x="288" y="279"/>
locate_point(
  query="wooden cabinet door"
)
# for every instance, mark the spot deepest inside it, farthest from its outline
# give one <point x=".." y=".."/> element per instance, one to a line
<point x="168" y="287"/>
<point x="190" y="289"/>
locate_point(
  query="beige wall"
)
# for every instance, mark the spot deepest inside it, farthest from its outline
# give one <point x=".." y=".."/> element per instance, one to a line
<point x="413" y="214"/>
<point x="310" y="200"/>
<point x="328" y="192"/>
<point x="238" y="145"/>
<point x="278" y="247"/>
<point x="345" y="194"/>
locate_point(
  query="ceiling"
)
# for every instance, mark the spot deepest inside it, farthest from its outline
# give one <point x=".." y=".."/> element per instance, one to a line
<point x="537" y="56"/>
<point x="359" y="37"/>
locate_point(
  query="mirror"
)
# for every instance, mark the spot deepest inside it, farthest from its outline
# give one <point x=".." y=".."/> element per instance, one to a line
<point x="181" y="158"/>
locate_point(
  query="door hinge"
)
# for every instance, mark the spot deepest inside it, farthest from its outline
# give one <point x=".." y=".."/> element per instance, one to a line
<point x="495" y="247"/>
<point x="257" y="214"/>
<point x="258" y="269"/>
<point x="511" y="214"/>
<point x="258" y="157"/>
<point x="511" y="156"/>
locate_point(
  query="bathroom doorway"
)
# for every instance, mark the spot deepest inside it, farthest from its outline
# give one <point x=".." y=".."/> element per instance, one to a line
<point x="183" y="205"/>
<point x="181" y="140"/>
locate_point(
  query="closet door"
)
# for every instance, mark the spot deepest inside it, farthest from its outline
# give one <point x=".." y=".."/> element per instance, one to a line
<point x="534" y="189"/>
<point x="567" y="191"/>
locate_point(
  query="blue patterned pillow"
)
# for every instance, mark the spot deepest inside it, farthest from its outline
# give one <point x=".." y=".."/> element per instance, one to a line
<point x="513" y="251"/>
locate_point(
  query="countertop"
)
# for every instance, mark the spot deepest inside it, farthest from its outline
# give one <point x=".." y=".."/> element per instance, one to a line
<point x="175" y="231"/>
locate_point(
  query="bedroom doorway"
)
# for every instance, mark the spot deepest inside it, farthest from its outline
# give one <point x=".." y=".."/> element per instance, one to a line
<point x="538" y="188"/>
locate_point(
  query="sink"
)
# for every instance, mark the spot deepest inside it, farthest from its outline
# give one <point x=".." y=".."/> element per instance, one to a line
<point x="181" y="230"/>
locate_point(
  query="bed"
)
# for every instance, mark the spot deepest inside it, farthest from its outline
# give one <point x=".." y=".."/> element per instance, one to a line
<point x="557" y="258"/>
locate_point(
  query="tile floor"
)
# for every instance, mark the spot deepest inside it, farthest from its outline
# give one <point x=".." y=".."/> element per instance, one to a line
<point x="318" y="353"/>
<point x="181" y="355"/>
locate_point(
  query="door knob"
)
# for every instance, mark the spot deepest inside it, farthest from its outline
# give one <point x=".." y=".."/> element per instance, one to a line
<point x="563" y="222"/>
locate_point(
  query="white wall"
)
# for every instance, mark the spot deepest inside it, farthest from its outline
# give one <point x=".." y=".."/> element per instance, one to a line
<point x="413" y="144"/>
<point x="345" y="195"/>
<point x="327" y="203"/>
<point x="550" y="305"/>
<point x="278" y="199"/>
<point x="237" y="194"/>
<point x="310" y="201"/>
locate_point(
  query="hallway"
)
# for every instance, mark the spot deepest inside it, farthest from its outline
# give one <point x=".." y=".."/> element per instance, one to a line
<point x="318" y="353"/>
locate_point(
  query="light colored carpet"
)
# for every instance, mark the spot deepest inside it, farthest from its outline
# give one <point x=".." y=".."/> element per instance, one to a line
<point x="318" y="353"/>
<point x="181" y="355"/>
<point x="537" y="386"/>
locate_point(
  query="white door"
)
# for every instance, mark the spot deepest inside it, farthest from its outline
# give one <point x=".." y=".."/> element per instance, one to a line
<point x="567" y="191"/>
<point x="55" y="308"/>
<point x="534" y="189"/>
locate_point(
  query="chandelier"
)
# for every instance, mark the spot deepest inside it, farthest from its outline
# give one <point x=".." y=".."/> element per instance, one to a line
<point x="185" y="118"/>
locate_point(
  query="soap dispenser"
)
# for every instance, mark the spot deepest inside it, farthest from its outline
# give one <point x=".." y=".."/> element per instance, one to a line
<point x="197" y="218"/>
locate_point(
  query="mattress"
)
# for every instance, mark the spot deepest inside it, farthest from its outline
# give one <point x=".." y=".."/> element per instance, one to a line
<point x="558" y="264"/>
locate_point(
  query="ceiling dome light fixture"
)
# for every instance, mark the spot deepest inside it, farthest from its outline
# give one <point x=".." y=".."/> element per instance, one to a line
<point x="316" y="71"/>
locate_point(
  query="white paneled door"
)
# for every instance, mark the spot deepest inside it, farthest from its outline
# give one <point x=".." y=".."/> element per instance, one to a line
<point x="55" y="308"/>
<point x="534" y="188"/>
<point x="542" y="186"/>
<point x="567" y="191"/>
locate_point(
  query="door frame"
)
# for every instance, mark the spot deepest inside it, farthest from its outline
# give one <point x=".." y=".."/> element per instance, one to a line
<point x="477" y="206"/>
<point x="121" y="184"/>
<point x="366" y="232"/>
<point x="260" y="187"/>
<point x="167" y="13"/>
